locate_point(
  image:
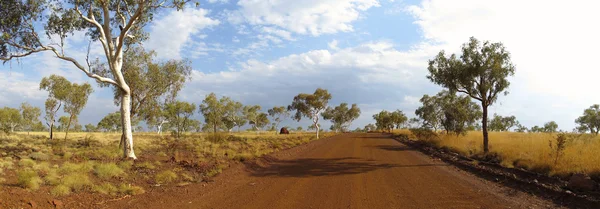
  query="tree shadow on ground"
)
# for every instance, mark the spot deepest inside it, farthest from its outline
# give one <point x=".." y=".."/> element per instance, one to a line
<point x="393" y="148"/>
<point x="308" y="167"/>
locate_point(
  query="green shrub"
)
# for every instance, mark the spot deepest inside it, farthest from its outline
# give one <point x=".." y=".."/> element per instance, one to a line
<point x="77" y="181"/>
<point x="39" y="156"/>
<point x="128" y="189"/>
<point x="106" y="188"/>
<point x="145" y="165"/>
<point x="26" y="163"/>
<point x="60" y="190"/>
<point x="52" y="178"/>
<point x="68" y="167"/>
<point x="165" y="177"/>
<point x="28" y="179"/>
<point x="107" y="171"/>
<point x="42" y="168"/>
<point x="126" y="165"/>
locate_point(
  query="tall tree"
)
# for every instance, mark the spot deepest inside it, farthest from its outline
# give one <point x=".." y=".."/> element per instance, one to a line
<point x="430" y="112"/>
<point x="383" y="121"/>
<point x="30" y="115"/>
<point x="179" y="113"/>
<point x="234" y="115"/>
<point x="398" y="118"/>
<point x="341" y="116"/>
<point x="110" y="122"/>
<point x="370" y="127"/>
<point x="63" y="123"/>
<point x="10" y="118"/>
<point x="590" y="120"/>
<point x="550" y="127"/>
<point x="90" y="128"/>
<point x="251" y="114"/>
<point x="481" y="72"/>
<point x="310" y="106"/>
<point x="58" y="89"/>
<point x="499" y="123"/>
<point x="114" y="24"/>
<point x="213" y="110"/>
<point x="278" y="114"/>
<point x="262" y="120"/>
<point x="75" y="101"/>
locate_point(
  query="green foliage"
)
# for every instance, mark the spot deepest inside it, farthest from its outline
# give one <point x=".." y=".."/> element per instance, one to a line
<point x="28" y="179"/>
<point x="108" y="170"/>
<point x="499" y="123"/>
<point x="178" y="114"/>
<point x="341" y="116"/>
<point x="129" y="189"/>
<point x="550" y="127"/>
<point x="60" y="190"/>
<point x="30" y="116"/>
<point x="77" y="181"/>
<point x="383" y="120"/>
<point x="106" y="188"/>
<point x="110" y="122"/>
<point x="39" y="156"/>
<point x="233" y="114"/>
<point x="481" y="72"/>
<point x="370" y="127"/>
<point x="165" y="177"/>
<point x="10" y="118"/>
<point x="310" y="106"/>
<point x="28" y="163"/>
<point x="213" y="110"/>
<point x="590" y="120"/>
<point x="278" y="113"/>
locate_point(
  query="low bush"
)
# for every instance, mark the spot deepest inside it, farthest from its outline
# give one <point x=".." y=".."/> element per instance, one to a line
<point x="108" y="170"/>
<point x="29" y="179"/>
<point x="165" y="177"/>
<point x="60" y="190"/>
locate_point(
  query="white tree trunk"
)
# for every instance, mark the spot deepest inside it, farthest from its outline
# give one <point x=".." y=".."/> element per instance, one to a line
<point x="316" y="122"/>
<point x="126" y="121"/>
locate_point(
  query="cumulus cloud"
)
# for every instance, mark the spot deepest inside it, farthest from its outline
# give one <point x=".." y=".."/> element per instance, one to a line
<point x="373" y="75"/>
<point x="552" y="44"/>
<point x="311" y="17"/>
<point x="170" y="33"/>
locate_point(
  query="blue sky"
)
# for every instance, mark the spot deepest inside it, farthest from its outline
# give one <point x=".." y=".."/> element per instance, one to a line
<point x="370" y="52"/>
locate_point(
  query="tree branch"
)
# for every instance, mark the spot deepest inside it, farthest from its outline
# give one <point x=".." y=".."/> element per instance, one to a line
<point x="126" y="28"/>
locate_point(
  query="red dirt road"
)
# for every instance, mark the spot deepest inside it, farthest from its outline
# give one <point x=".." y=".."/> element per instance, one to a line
<point x="347" y="171"/>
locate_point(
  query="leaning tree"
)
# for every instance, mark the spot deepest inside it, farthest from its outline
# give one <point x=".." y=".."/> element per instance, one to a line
<point x="480" y="72"/>
<point x="115" y="24"/>
<point x="310" y="106"/>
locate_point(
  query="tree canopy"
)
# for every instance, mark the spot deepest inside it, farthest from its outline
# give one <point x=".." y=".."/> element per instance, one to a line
<point x="341" y="116"/>
<point x="310" y="106"/>
<point x="480" y="72"/>
<point x="590" y="120"/>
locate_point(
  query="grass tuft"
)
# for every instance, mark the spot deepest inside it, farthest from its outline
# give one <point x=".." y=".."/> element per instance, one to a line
<point x="60" y="190"/>
<point x="165" y="177"/>
<point x="107" y="171"/>
<point x="29" y="179"/>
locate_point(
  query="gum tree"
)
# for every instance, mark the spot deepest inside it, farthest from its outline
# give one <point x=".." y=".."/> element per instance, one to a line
<point x="310" y="106"/>
<point x="114" y="24"/>
<point x="480" y="72"/>
<point x="58" y="89"/>
<point x="341" y="116"/>
<point x="277" y="114"/>
<point x="30" y="115"/>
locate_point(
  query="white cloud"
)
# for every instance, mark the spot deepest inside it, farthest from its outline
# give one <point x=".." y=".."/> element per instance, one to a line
<point x="218" y="1"/>
<point x="373" y="73"/>
<point x="170" y="33"/>
<point x="333" y="45"/>
<point x="553" y="45"/>
<point x="309" y="17"/>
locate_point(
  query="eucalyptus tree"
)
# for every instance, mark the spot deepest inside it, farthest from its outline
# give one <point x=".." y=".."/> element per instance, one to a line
<point x="500" y="123"/>
<point x="115" y="25"/>
<point x="262" y="120"/>
<point x="179" y="113"/>
<point x="213" y="110"/>
<point x="63" y="123"/>
<point x="110" y="122"/>
<point x="233" y="114"/>
<point x="550" y="127"/>
<point x="449" y="111"/>
<point x="590" y="120"/>
<point x="10" y="118"/>
<point x="341" y="116"/>
<point x="251" y="114"/>
<point x="310" y="106"/>
<point x="30" y="116"/>
<point x="481" y="72"/>
<point x="75" y="101"/>
<point x="398" y="118"/>
<point x="278" y="114"/>
<point x="90" y="128"/>
<point x="58" y="89"/>
<point x="383" y="120"/>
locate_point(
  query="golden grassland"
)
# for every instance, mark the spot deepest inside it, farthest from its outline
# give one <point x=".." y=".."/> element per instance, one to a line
<point x="91" y="162"/>
<point x="531" y="151"/>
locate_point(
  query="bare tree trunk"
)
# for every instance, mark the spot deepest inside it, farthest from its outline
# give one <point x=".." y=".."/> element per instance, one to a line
<point x="68" y="126"/>
<point x="484" y="127"/>
<point x="127" y="138"/>
<point x="51" y="129"/>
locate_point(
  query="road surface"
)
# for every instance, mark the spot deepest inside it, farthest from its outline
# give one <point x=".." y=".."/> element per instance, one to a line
<point x="368" y="171"/>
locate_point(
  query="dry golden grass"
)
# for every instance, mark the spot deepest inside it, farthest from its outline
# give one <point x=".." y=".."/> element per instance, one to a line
<point x="530" y="150"/>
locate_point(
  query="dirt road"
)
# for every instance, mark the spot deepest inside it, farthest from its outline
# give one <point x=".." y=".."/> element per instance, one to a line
<point x="347" y="171"/>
